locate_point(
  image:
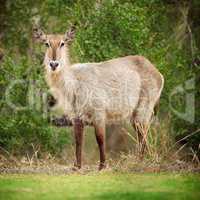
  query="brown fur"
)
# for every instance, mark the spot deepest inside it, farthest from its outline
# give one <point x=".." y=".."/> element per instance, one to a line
<point x="78" y="133"/>
<point x="100" y="137"/>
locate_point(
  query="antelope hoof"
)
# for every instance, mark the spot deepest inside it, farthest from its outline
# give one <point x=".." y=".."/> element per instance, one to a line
<point x="76" y="167"/>
<point x="102" y="166"/>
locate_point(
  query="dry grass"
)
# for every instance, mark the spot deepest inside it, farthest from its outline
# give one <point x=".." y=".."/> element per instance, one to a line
<point x="164" y="154"/>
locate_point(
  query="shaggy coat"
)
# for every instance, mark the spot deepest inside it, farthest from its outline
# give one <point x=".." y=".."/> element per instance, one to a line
<point x="109" y="91"/>
<point x="126" y="88"/>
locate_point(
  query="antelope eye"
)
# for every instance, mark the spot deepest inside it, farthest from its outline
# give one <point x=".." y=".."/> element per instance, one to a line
<point x="46" y="44"/>
<point x="62" y="44"/>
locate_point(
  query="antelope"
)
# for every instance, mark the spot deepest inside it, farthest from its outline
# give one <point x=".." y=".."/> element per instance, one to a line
<point x="121" y="89"/>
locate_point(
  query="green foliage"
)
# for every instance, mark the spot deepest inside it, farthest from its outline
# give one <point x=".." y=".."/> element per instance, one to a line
<point x="23" y="120"/>
<point x="105" y="29"/>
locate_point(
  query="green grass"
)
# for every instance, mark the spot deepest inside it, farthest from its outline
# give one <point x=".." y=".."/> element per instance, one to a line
<point x="106" y="185"/>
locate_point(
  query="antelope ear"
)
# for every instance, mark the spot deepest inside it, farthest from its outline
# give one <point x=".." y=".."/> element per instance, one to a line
<point x="70" y="34"/>
<point x="39" y="35"/>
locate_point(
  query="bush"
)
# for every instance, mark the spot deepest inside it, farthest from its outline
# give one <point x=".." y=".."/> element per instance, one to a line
<point x="24" y="118"/>
<point x="105" y="29"/>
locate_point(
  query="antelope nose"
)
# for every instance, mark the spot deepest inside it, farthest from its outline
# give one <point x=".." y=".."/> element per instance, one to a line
<point x="53" y="65"/>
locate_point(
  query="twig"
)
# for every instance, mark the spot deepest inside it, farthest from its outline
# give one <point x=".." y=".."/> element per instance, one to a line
<point x="180" y="149"/>
<point x="10" y="156"/>
<point x="187" y="136"/>
<point x="4" y="150"/>
<point x="127" y="133"/>
<point x="195" y="157"/>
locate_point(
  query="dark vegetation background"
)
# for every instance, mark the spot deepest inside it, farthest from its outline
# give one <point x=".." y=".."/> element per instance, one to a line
<point x="165" y="31"/>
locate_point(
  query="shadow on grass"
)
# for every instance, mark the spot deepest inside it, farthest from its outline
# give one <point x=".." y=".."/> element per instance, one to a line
<point x="144" y="196"/>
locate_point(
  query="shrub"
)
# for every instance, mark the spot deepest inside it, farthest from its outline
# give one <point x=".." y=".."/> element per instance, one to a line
<point x="105" y="29"/>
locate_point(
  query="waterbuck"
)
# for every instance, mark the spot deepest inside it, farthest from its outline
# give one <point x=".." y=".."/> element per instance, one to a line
<point x="125" y="88"/>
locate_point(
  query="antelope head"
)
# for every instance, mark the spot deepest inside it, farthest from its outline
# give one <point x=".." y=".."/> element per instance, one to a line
<point x="56" y="57"/>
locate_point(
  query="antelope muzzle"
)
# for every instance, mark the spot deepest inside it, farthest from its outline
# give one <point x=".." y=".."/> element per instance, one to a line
<point x="54" y="65"/>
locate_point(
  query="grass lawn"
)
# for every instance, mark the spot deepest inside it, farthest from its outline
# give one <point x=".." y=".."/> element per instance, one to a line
<point x="104" y="185"/>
